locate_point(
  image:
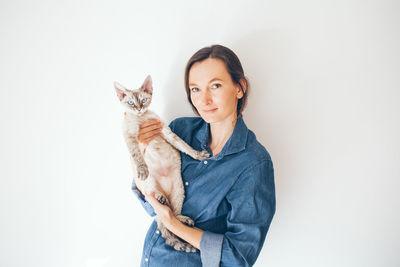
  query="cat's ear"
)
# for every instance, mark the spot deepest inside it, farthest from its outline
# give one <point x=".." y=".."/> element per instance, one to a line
<point x="121" y="90"/>
<point x="147" y="85"/>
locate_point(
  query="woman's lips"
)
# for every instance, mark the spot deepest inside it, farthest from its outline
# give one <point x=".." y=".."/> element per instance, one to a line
<point x="210" y="110"/>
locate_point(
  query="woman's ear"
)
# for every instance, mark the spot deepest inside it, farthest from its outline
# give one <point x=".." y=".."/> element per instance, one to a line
<point x="242" y="85"/>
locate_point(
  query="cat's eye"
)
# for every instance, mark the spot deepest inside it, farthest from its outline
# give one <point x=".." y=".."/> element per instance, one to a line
<point x="144" y="100"/>
<point x="130" y="102"/>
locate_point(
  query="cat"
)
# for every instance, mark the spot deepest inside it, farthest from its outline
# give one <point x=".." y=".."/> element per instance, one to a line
<point x="159" y="168"/>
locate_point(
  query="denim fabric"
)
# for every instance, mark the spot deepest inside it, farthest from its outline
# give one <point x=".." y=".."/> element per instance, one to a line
<point x="230" y="196"/>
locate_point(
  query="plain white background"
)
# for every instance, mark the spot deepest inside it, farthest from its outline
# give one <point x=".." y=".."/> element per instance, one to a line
<point x="324" y="102"/>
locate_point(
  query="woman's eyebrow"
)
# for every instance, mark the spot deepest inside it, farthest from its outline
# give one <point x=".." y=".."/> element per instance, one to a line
<point x="215" y="79"/>
<point x="212" y="80"/>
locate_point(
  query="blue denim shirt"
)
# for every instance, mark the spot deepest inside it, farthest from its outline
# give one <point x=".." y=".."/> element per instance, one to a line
<point x="230" y="196"/>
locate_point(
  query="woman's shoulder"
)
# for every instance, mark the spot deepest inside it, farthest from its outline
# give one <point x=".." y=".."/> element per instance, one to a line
<point x="186" y="124"/>
<point x="255" y="151"/>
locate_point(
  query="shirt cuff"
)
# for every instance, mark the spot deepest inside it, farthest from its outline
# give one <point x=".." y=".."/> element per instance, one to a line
<point x="210" y="249"/>
<point x="146" y="205"/>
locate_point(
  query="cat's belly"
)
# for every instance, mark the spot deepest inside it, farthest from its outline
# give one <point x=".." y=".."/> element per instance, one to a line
<point x="163" y="171"/>
<point x="161" y="158"/>
<point x="164" y="165"/>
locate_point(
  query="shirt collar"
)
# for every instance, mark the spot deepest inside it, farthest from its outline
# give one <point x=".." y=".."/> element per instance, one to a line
<point x="235" y="143"/>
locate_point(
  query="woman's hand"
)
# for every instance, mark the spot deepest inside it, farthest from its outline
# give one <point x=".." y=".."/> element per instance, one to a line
<point x="148" y="130"/>
<point x="163" y="211"/>
<point x="191" y="235"/>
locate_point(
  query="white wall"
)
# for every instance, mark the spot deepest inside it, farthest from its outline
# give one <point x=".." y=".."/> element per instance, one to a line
<point x="324" y="101"/>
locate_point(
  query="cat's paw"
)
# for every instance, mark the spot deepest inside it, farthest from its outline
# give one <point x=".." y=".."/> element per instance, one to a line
<point x="162" y="199"/>
<point x="200" y="155"/>
<point x="185" y="247"/>
<point x="142" y="172"/>
<point x="185" y="219"/>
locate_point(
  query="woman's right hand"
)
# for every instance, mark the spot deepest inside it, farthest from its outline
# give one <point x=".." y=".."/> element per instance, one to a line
<point x="148" y="130"/>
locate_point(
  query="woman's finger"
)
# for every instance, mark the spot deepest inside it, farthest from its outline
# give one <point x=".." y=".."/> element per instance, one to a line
<point x="150" y="127"/>
<point x="149" y="132"/>
<point x="147" y="137"/>
<point x="149" y="123"/>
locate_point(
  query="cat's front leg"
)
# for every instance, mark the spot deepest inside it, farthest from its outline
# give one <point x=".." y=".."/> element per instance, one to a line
<point x="181" y="145"/>
<point x="162" y="199"/>
<point x="185" y="219"/>
<point x="200" y="155"/>
<point x="134" y="150"/>
<point x="143" y="171"/>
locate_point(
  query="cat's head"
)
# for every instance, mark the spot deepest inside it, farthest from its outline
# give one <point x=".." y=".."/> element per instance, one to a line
<point x="136" y="101"/>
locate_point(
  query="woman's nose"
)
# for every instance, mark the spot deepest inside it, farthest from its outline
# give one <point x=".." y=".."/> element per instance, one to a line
<point x="206" y="98"/>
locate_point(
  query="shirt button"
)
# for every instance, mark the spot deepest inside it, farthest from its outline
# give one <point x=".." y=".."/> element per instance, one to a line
<point x="157" y="232"/>
<point x="187" y="183"/>
<point x="205" y="162"/>
<point x="146" y="259"/>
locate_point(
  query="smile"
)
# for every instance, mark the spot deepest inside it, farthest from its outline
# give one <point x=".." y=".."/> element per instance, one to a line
<point x="210" y="110"/>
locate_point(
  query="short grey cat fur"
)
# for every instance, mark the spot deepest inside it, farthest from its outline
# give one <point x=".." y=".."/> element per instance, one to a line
<point x="159" y="168"/>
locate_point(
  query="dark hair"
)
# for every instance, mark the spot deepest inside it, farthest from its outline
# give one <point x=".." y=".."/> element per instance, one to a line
<point x="233" y="66"/>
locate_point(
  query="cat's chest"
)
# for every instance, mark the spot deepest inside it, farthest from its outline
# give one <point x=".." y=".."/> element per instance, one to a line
<point x="160" y="151"/>
<point x="132" y="123"/>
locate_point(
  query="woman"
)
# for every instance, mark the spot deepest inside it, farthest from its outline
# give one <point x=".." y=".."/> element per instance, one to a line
<point x="231" y="195"/>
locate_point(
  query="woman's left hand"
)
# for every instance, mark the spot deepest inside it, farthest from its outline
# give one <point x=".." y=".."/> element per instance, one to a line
<point x="163" y="211"/>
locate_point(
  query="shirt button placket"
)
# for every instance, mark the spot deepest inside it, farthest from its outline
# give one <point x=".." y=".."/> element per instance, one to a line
<point x="205" y="162"/>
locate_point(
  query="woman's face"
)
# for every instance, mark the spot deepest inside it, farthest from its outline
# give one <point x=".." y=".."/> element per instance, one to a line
<point x="212" y="90"/>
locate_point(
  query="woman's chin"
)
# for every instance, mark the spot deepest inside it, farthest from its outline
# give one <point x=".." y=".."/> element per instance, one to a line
<point x="209" y="119"/>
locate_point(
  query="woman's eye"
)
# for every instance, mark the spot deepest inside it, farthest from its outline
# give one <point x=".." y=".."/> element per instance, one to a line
<point x="216" y="85"/>
<point x="144" y="100"/>
<point x="194" y="89"/>
<point x="130" y="102"/>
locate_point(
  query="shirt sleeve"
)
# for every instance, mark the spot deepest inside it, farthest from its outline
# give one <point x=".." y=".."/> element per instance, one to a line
<point x="146" y="205"/>
<point x="253" y="204"/>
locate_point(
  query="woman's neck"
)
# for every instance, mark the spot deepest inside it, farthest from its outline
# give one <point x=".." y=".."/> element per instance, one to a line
<point x="221" y="132"/>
